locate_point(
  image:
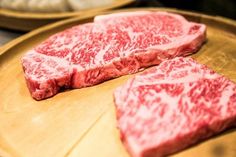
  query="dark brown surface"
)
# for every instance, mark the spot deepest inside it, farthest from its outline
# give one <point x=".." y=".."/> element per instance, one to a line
<point x="8" y="35"/>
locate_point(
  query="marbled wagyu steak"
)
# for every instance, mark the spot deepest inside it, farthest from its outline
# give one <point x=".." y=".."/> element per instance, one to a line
<point x="172" y="106"/>
<point x="112" y="46"/>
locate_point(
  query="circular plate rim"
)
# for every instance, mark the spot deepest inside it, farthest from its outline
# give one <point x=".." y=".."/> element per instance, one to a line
<point x="27" y="21"/>
<point x="21" y="40"/>
<point x="60" y="15"/>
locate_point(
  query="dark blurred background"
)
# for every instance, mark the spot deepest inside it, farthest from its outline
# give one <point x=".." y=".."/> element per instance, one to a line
<point x="225" y="8"/>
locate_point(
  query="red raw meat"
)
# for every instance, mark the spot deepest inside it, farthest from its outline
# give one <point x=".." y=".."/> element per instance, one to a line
<point x="112" y="46"/>
<point x="173" y="106"/>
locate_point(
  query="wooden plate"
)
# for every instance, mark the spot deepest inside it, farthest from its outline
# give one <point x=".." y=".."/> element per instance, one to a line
<point x="26" y="21"/>
<point x="81" y="122"/>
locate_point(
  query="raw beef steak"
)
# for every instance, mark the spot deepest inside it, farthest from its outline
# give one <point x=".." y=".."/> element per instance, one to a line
<point x="112" y="46"/>
<point x="172" y="106"/>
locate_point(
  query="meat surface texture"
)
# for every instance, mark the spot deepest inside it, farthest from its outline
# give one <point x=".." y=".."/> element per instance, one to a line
<point x="173" y="106"/>
<point x="112" y="46"/>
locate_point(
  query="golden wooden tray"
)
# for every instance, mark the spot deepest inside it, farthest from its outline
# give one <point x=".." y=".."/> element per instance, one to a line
<point x="26" y="21"/>
<point x="81" y="122"/>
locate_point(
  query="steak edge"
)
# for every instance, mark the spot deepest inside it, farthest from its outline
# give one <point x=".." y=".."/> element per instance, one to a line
<point x="173" y="106"/>
<point x="112" y="46"/>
